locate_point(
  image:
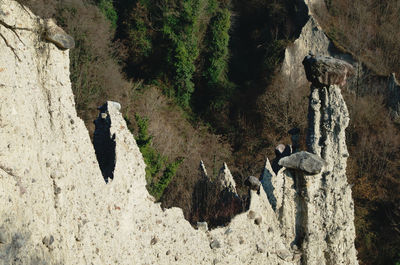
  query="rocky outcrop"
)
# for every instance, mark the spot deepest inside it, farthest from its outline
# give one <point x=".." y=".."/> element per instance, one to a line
<point x="282" y="194"/>
<point x="254" y="183"/>
<point x="203" y="170"/>
<point x="310" y="194"/>
<point x="312" y="39"/>
<point x="303" y="161"/>
<point x="57" y="209"/>
<point x="327" y="205"/>
<point x="57" y="35"/>
<point x="225" y="179"/>
<point x="327" y="71"/>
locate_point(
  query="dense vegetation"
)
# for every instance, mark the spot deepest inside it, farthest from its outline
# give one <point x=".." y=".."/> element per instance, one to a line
<point x="203" y="84"/>
<point x="156" y="163"/>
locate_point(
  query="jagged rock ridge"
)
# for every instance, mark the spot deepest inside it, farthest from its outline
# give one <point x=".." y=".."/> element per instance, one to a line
<point x="57" y="208"/>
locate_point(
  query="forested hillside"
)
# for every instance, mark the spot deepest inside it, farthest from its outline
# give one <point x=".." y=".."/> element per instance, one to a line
<point x="199" y="79"/>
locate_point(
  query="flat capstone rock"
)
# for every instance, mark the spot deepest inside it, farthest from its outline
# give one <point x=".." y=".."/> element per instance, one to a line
<point x="304" y="161"/>
<point x="57" y="35"/>
<point x="326" y="71"/>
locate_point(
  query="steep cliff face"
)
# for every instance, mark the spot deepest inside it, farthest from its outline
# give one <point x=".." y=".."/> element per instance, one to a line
<point x="56" y="207"/>
<point x="67" y="202"/>
<point x="311" y="39"/>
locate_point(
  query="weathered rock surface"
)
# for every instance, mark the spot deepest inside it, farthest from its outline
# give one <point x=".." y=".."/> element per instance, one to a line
<point x="283" y="197"/>
<point x="316" y="211"/>
<point x="327" y="203"/>
<point x="271" y="185"/>
<point x="57" y="209"/>
<point x="57" y="35"/>
<point x="304" y="161"/>
<point x="55" y="205"/>
<point x="312" y="39"/>
<point x="226" y="180"/>
<point x="203" y="170"/>
<point x="327" y="71"/>
<point x="254" y="183"/>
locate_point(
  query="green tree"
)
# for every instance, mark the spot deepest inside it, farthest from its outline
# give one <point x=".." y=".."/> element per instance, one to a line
<point x="107" y="8"/>
<point x="181" y="27"/>
<point x="155" y="162"/>
<point x="219" y="50"/>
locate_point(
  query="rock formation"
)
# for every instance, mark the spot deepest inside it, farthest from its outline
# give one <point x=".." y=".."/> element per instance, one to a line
<point x="226" y="180"/>
<point x="254" y="183"/>
<point x="57" y="209"/>
<point x="215" y="200"/>
<point x="311" y="39"/>
<point x="310" y="194"/>
<point x="304" y="161"/>
<point x="282" y="194"/>
<point x="56" y="35"/>
<point x="327" y="205"/>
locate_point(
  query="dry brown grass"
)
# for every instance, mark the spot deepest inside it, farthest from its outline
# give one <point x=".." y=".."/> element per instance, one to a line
<point x="174" y="136"/>
<point x="369" y="29"/>
<point x="373" y="168"/>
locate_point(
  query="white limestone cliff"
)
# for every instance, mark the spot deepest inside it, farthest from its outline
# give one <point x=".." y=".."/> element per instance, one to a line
<point x="62" y="202"/>
<point x="311" y="39"/>
<point x="328" y="209"/>
<point x="56" y="207"/>
<point x="311" y="197"/>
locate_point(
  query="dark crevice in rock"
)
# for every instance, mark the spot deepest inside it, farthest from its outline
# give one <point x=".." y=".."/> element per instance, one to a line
<point x="104" y="144"/>
<point x="300" y="186"/>
<point x="13" y="29"/>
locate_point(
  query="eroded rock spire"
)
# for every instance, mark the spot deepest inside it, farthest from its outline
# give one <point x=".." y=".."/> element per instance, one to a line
<point x="225" y="179"/>
<point x="327" y="205"/>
